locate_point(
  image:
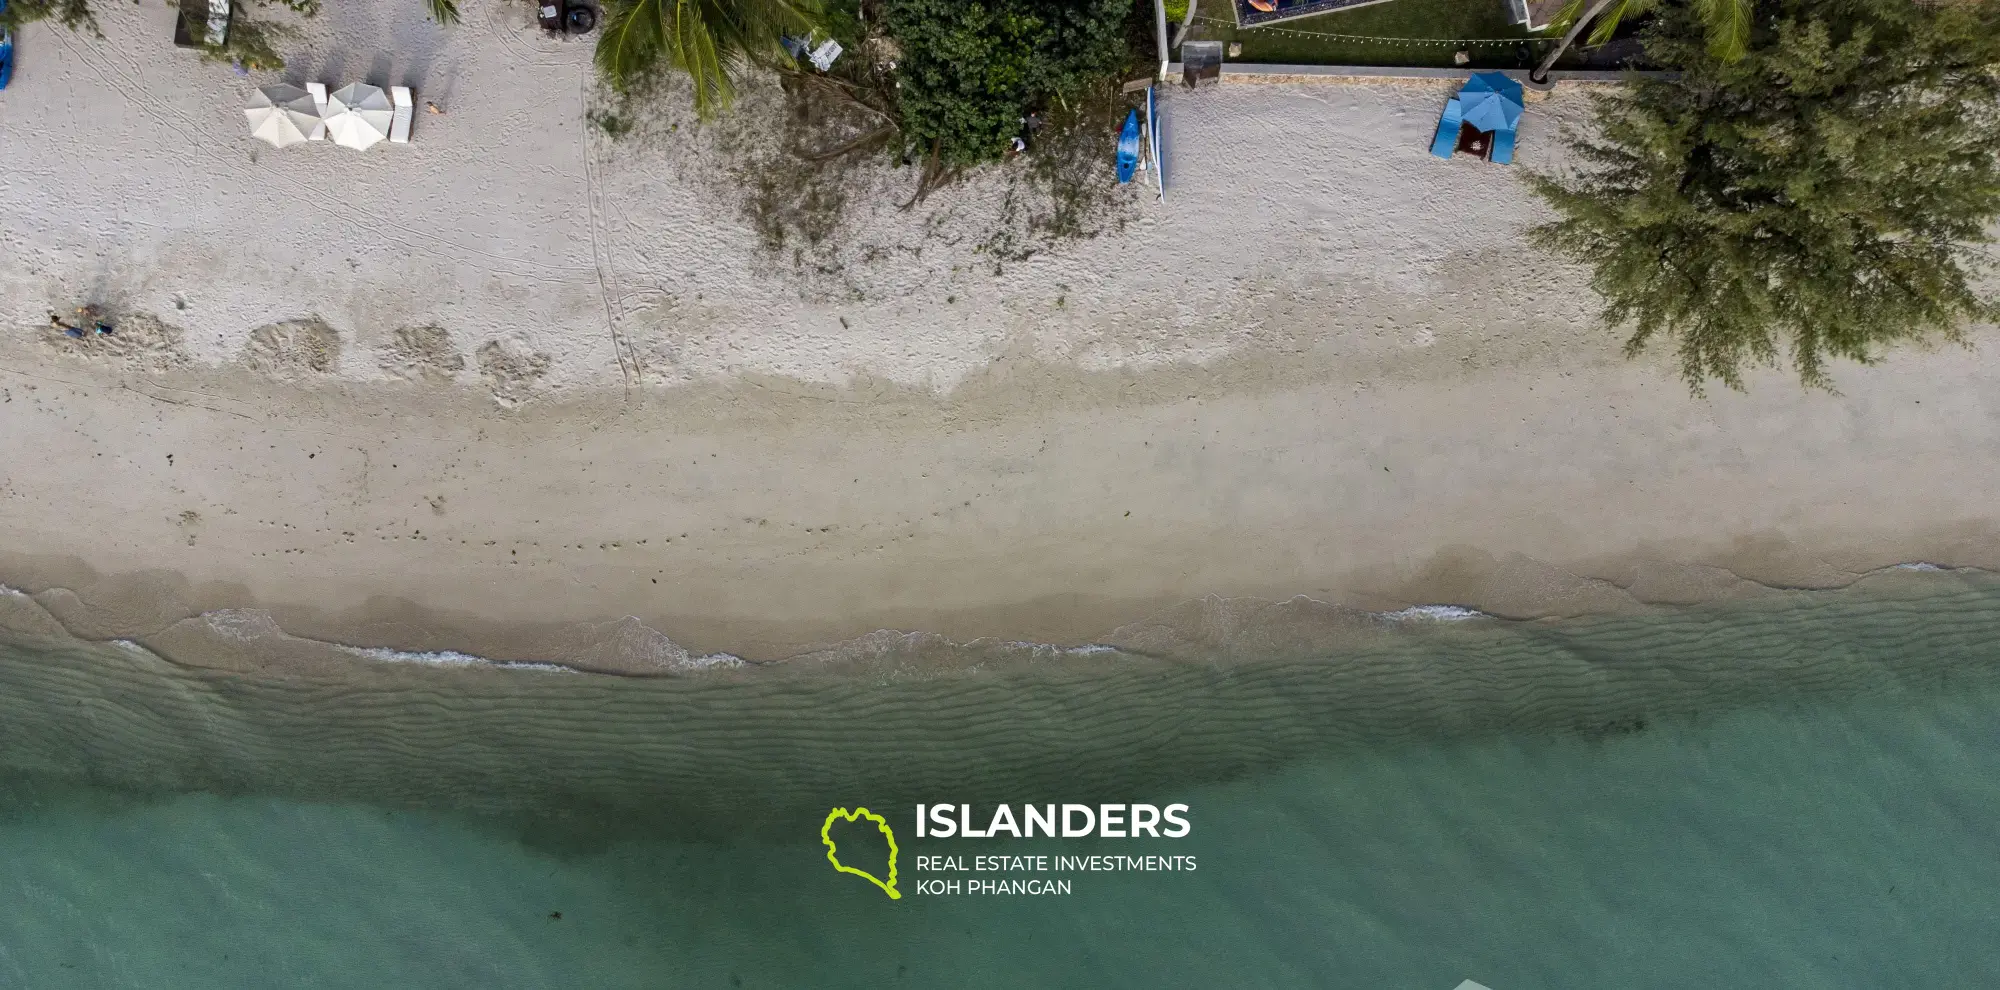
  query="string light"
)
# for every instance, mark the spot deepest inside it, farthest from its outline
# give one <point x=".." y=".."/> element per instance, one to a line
<point x="1379" y="40"/>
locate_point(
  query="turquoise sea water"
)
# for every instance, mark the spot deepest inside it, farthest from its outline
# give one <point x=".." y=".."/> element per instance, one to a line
<point x="1800" y="792"/>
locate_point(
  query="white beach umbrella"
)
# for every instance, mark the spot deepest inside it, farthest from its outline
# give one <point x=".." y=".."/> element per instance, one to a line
<point x="281" y="116"/>
<point x="358" y="115"/>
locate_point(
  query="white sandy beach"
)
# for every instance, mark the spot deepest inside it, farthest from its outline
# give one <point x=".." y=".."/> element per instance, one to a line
<point x="1327" y="366"/>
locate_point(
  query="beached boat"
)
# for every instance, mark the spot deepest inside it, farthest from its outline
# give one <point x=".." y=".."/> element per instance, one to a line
<point x="1128" y="147"/>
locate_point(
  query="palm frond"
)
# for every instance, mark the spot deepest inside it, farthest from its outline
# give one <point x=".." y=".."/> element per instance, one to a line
<point x="1728" y="23"/>
<point x="697" y="51"/>
<point x="629" y="46"/>
<point x="707" y="39"/>
<point x="444" y="11"/>
<point x="1608" y="22"/>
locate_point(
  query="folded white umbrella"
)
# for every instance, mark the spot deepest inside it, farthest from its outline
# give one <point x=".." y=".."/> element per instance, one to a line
<point x="281" y="116"/>
<point x="358" y="115"/>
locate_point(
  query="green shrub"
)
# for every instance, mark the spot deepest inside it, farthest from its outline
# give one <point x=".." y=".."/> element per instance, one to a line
<point x="970" y="72"/>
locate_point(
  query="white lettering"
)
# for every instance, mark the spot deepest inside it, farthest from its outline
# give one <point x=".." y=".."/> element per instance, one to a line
<point x="1003" y="818"/>
<point x="965" y="823"/>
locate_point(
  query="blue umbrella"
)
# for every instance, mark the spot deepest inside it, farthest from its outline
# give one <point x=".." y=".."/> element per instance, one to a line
<point x="1491" y="102"/>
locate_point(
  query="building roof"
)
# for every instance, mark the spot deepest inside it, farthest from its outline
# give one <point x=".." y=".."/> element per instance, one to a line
<point x="1535" y="15"/>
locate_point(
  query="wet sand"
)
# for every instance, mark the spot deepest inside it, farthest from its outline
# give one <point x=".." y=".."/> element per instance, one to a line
<point x="450" y="528"/>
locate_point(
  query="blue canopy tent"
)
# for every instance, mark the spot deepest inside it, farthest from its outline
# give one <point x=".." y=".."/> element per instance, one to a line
<point x="1489" y="103"/>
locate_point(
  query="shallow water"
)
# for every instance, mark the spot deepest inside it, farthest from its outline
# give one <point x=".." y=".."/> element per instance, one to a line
<point x="1801" y="791"/>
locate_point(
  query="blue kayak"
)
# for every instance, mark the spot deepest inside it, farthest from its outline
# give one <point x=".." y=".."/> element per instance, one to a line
<point x="1128" y="147"/>
<point x="6" y="50"/>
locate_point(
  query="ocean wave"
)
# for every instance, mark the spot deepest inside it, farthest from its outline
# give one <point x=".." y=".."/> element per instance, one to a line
<point x="628" y="644"/>
<point x="1433" y="613"/>
<point x="1211" y="629"/>
<point x="904" y="650"/>
<point x="451" y="658"/>
<point x="242" y="623"/>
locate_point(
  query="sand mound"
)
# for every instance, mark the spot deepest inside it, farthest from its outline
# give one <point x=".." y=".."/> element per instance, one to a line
<point x="512" y="370"/>
<point x="294" y="347"/>
<point x="421" y="353"/>
<point x="142" y="342"/>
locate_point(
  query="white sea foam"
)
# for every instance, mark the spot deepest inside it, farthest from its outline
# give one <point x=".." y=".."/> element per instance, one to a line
<point x="450" y="658"/>
<point x="1920" y="565"/>
<point x="130" y="646"/>
<point x="1432" y="613"/>
<point x="617" y="644"/>
<point x="1051" y="650"/>
<point x="242" y="623"/>
<point x="710" y="661"/>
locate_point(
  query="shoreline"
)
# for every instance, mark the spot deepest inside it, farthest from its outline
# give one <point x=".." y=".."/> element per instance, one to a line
<point x="543" y="746"/>
<point x="1211" y="630"/>
<point x="733" y="522"/>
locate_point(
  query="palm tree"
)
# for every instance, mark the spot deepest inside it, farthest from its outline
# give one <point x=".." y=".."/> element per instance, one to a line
<point x="707" y="39"/>
<point x="1728" y="24"/>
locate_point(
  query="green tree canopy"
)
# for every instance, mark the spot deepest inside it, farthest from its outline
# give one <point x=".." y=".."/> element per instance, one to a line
<point x="969" y="72"/>
<point x="1727" y="21"/>
<point x="1827" y="195"/>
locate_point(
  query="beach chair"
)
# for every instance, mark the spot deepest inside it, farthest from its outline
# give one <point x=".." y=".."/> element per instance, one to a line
<point x="318" y="91"/>
<point x="1447" y="132"/>
<point x="399" y="125"/>
<point x="1503" y="148"/>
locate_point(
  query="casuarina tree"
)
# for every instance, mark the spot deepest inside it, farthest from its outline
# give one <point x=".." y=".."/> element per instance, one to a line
<point x="1829" y="194"/>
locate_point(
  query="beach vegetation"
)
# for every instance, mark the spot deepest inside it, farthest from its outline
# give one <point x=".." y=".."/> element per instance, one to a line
<point x="1827" y="195"/>
<point x="73" y="14"/>
<point x="708" y="40"/>
<point x="1402" y="33"/>
<point x="444" y="11"/>
<point x="1725" y="23"/>
<point x="971" y="73"/>
<point x="251" y="43"/>
<point x="608" y="121"/>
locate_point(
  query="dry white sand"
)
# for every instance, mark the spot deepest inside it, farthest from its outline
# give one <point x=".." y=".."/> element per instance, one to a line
<point x="519" y="372"/>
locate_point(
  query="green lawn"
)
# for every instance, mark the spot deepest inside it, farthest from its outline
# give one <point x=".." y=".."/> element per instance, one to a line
<point x="1303" y="41"/>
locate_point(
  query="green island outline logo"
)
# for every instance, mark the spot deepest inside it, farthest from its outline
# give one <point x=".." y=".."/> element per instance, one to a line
<point x="833" y="853"/>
